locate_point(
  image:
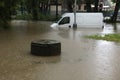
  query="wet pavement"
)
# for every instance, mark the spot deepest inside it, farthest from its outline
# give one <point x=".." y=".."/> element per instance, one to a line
<point x="81" y="58"/>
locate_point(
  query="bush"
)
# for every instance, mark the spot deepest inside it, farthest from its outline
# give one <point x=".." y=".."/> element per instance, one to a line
<point x="42" y="17"/>
<point x="4" y="25"/>
<point x="24" y="17"/>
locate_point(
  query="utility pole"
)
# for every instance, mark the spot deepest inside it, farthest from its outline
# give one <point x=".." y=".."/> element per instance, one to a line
<point x="75" y="24"/>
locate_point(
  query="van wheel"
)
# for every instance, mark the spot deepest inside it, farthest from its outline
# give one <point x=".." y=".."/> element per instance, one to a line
<point x="69" y="26"/>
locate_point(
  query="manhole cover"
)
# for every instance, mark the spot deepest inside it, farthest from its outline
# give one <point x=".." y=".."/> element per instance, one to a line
<point x="45" y="47"/>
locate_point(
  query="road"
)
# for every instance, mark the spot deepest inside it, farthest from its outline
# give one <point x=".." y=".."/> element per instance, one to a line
<point x="81" y="58"/>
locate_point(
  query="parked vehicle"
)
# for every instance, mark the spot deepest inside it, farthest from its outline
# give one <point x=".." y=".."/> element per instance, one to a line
<point x="83" y="20"/>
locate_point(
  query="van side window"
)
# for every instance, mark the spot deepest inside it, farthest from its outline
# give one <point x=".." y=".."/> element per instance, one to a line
<point x="65" y="20"/>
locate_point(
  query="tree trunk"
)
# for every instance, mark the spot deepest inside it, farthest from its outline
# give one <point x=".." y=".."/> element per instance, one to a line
<point x="96" y="5"/>
<point x="34" y="10"/>
<point x="69" y="5"/>
<point x="114" y="17"/>
<point x="88" y="7"/>
<point x="56" y="8"/>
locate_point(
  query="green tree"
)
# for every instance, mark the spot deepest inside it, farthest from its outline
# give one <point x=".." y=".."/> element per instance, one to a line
<point x="36" y="7"/>
<point x="113" y="1"/>
<point x="6" y="8"/>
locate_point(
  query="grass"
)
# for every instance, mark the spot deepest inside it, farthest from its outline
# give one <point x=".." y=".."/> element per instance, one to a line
<point x="108" y="37"/>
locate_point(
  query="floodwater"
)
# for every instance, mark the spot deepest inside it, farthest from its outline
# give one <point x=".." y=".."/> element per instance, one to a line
<point x="81" y="58"/>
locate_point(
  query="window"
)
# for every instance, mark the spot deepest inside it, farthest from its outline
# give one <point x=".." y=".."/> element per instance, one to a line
<point x="65" y="20"/>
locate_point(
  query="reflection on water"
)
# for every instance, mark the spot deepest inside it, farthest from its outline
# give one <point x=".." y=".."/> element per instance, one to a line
<point x="105" y="56"/>
<point x="111" y="28"/>
<point x="30" y="27"/>
<point x="76" y="34"/>
<point x="81" y="58"/>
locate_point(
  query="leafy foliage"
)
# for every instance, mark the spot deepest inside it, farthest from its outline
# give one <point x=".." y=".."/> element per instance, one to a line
<point x="6" y="8"/>
<point x="113" y="1"/>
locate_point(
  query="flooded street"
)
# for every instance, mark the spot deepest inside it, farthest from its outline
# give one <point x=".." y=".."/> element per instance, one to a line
<point x="81" y="58"/>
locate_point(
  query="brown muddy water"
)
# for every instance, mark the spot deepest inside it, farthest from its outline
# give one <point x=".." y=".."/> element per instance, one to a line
<point x="81" y="58"/>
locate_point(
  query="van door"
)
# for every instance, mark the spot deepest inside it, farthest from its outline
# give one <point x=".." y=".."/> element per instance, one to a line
<point x="64" y="22"/>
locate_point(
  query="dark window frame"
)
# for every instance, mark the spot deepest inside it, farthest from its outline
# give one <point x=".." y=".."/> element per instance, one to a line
<point x="65" y="20"/>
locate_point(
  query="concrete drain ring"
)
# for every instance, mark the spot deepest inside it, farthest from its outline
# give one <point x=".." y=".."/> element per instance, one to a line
<point x="45" y="47"/>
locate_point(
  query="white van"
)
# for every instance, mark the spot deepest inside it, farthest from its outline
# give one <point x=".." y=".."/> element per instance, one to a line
<point x="83" y="20"/>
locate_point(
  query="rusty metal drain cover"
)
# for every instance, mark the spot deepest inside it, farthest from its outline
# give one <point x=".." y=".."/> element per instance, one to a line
<point x="45" y="47"/>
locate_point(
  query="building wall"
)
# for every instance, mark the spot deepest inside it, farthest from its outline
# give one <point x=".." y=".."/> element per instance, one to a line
<point x="53" y="9"/>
